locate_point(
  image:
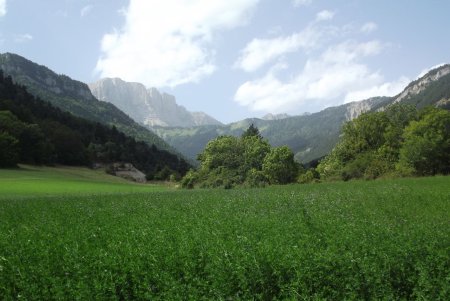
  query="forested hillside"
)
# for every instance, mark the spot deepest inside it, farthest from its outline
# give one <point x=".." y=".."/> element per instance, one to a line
<point x="34" y="131"/>
<point x="74" y="97"/>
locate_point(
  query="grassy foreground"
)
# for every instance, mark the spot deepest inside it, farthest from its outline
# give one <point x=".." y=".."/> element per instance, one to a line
<point x="29" y="181"/>
<point x="383" y="240"/>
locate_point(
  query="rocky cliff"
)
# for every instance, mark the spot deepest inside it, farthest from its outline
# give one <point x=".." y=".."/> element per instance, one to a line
<point x="148" y="106"/>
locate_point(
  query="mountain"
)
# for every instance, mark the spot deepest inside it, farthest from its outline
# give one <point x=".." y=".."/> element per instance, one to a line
<point x="147" y="106"/>
<point x="34" y="131"/>
<point x="271" y="116"/>
<point x="74" y="97"/>
<point x="312" y="136"/>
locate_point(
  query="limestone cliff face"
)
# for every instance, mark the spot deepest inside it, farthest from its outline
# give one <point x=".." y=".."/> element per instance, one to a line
<point x="418" y="86"/>
<point x="356" y="108"/>
<point x="147" y="106"/>
<point x="271" y="116"/>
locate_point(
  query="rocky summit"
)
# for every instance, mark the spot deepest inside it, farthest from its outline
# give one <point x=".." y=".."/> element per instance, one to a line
<point x="148" y="106"/>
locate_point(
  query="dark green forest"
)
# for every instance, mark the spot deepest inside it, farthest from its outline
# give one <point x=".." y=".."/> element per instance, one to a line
<point x="35" y="132"/>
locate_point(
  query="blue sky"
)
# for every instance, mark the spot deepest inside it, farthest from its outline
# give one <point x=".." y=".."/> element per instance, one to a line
<point x="236" y="58"/>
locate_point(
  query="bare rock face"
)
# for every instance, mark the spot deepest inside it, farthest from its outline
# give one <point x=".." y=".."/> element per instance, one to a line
<point x="422" y="83"/>
<point x="271" y="116"/>
<point x="356" y="108"/>
<point x="147" y="106"/>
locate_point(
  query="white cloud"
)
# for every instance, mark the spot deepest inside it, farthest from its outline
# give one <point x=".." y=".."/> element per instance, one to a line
<point x="23" y="38"/>
<point x="384" y="89"/>
<point x="369" y="27"/>
<point x="2" y="8"/>
<point x="86" y="10"/>
<point x="298" y="3"/>
<point x="337" y="74"/>
<point x="168" y="43"/>
<point x="259" y="52"/>
<point x="325" y="15"/>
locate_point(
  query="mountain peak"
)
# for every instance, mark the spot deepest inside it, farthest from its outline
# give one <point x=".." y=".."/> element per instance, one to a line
<point x="147" y="106"/>
<point x="271" y="116"/>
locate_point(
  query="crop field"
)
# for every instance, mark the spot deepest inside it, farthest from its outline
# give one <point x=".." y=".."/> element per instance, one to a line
<point x="377" y="240"/>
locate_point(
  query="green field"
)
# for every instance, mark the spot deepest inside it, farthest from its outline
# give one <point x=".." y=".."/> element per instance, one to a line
<point x="29" y="181"/>
<point x="377" y="240"/>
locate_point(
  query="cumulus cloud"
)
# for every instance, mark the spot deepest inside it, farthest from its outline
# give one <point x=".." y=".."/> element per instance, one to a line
<point x="337" y="73"/>
<point x="298" y="3"/>
<point x="168" y="43"/>
<point x="260" y="52"/>
<point x="86" y="10"/>
<point x="325" y="15"/>
<point x="384" y="89"/>
<point x="2" y="8"/>
<point x="369" y="27"/>
<point x="23" y="38"/>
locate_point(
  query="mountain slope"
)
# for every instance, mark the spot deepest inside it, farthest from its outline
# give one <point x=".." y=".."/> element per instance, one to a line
<point x="313" y="136"/>
<point x="147" y="106"/>
<point x="74" y="97"/>
<point x="36" y="132"/>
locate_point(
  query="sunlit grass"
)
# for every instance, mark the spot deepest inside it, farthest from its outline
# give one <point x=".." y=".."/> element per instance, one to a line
<point x="29" y="181"/>
<point x="377" y="240"/>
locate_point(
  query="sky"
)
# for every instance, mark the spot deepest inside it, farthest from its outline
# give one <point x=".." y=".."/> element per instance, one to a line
<point x="235" y="59"/>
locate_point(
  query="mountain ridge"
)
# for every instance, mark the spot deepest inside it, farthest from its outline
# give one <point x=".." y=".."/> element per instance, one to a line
<point x="74" y="97"/>
<point x="313" y="136"/>
<point x="148" y="106"/>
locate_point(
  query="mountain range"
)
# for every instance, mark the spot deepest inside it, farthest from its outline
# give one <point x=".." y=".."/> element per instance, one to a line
<point x="141" y="112"/>
<point x="148" y="106"/>
<point x="312" y="136"/>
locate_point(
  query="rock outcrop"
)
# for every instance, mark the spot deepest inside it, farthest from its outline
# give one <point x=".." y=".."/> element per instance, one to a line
<point x="148" y="106"/>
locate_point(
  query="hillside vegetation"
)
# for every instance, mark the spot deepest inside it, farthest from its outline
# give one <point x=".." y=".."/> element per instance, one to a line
<point x="33" y="131"/>
<point x="74" y="97"/>
<point x="377" y="240"/>
<point x="398" y="141"/>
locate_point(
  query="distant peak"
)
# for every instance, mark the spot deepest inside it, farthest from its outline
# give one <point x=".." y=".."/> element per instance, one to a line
<point x="271" y="116"/>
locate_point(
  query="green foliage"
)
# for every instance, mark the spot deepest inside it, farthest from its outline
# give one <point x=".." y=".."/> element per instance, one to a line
<point x="370" y="145"/>
<point x="377" y="240"/>
<point x="279" y="166"/>
<point x="309" y="176"/>
<point x="228" y="161"/>
<point x="399" y="140"/>
<point x="9" y="150"/>
<point x="426" y="149"/>
<point x="252" y="131"/>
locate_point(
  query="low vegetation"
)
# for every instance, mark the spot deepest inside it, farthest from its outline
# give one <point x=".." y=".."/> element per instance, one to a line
<point x="365" y="240"/>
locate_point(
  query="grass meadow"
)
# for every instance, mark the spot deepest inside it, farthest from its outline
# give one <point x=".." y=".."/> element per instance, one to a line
<point x="79" y="236"/>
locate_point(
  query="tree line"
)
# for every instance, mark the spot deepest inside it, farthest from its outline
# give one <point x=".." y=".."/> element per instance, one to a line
<point x="35" y="132"/>
<point x="398" y="141"/>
